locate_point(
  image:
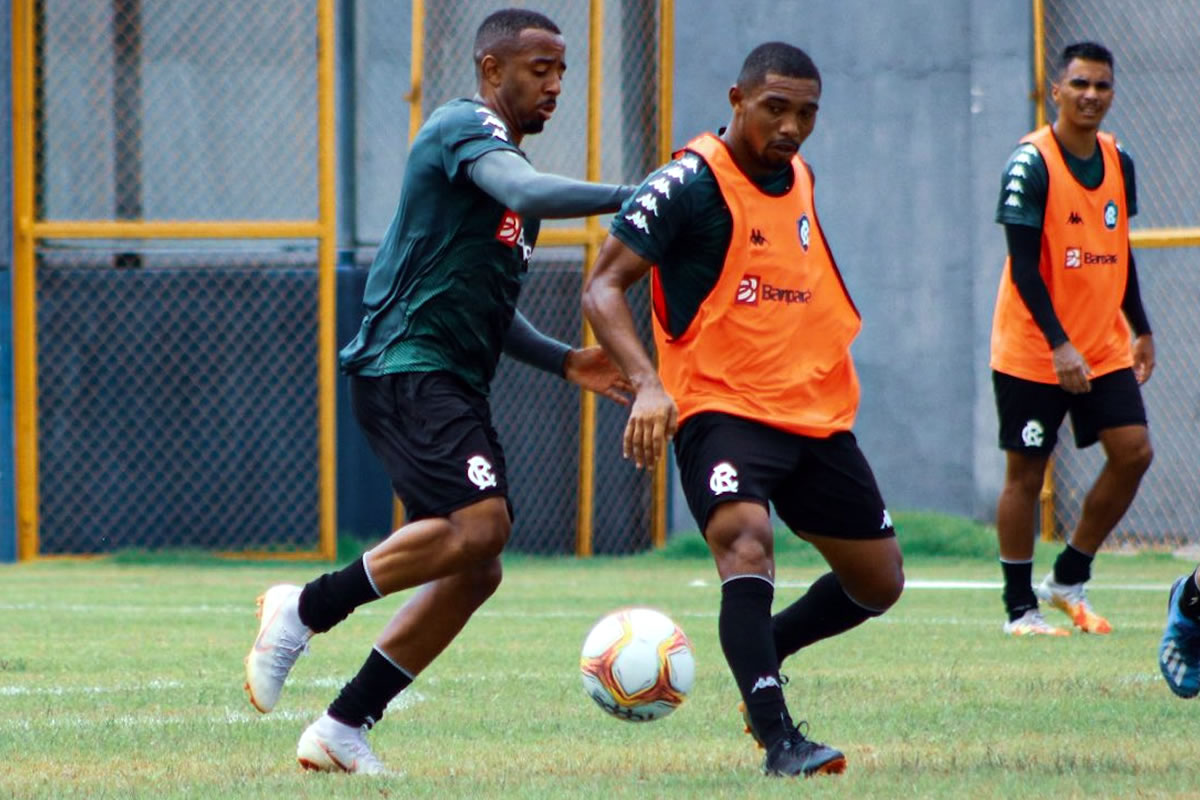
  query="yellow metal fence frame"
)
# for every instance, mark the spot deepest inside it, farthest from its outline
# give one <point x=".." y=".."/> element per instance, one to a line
<point x="589" y="236"/>
<point x="28" y="230"/>
<point x="1146" y="238"/>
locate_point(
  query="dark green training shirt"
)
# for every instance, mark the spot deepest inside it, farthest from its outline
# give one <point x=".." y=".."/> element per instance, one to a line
<point x="1026" y="181"/>
<point x="679" y="220"/>
<point x="443" y="288"/>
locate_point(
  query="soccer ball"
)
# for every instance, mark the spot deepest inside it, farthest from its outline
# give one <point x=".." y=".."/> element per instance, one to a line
<point x="637" y="664"/>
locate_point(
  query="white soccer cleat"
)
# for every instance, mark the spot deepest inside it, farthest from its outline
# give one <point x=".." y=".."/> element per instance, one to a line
<point x="1071" y="599"/>
<point x="331" y="746"/>
<point x="282" y="637"/>
<point x="1032" y="623"/>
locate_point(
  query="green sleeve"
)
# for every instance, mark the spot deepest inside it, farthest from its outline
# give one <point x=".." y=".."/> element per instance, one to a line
<point x="1023" y="189"/>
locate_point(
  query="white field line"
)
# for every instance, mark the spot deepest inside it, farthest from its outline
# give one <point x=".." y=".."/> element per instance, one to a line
<point x="951" y="585"/>
<point x="226" y="716"/>
<point x="248" y="609"/>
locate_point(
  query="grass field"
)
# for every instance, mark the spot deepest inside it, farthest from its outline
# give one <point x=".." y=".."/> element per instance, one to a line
<point x="123" y="679"/>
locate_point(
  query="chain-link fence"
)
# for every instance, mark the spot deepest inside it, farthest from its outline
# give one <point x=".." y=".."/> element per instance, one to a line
<point x="1156" y="47"/>
<point x="176" y="380"/>
<point x="178" y="386"/>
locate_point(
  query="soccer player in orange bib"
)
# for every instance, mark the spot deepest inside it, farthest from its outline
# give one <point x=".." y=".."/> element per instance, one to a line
<point x="753" y="327"/>
<point x="1061" y="340"/>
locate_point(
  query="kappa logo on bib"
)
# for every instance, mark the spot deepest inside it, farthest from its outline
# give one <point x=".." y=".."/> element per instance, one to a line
<point x="479" y="472"/>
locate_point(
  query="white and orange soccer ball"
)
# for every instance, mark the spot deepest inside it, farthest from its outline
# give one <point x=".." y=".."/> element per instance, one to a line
<point x="637" y="664"/>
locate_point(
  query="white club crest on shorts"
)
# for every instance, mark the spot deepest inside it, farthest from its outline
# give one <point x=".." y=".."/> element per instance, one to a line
<point x="1033" y="434"/>
<point x="723" y="478"/>
<point x="479" y="472"/>
<point x="887" y="521"/>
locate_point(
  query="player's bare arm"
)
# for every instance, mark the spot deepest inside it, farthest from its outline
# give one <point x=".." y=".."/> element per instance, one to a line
<point x="654" y="416"/>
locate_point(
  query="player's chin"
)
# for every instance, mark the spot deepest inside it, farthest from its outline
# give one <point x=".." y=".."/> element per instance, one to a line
<point x="775" y="158"/>
<point x="533" y="125"/>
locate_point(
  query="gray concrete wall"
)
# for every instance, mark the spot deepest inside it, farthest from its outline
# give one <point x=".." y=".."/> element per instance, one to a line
<point x="921" y="105"/>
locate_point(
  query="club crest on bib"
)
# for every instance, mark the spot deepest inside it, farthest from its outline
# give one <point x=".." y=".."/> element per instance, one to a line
<point x="1111" y="215"/>
<point x="724" y="478"/>
<point x="804" y="229"/>
<point x="479" y="472"/>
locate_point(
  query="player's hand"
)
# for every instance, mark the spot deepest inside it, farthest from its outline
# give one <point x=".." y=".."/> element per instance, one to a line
<point x="1143" y="357"/>
<point x="591" y="369"/>
<point x="652" y="423"/>
<point x="1073" y="372"/>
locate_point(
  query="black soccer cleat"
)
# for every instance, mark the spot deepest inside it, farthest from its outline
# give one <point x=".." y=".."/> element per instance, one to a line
<point x="797" y="755"/>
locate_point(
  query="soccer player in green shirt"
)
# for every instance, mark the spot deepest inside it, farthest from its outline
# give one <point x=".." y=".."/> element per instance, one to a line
<point x="440" y="307"/>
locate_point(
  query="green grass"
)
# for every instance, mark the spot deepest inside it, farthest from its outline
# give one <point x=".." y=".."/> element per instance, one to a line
<point x="122" y="679"/>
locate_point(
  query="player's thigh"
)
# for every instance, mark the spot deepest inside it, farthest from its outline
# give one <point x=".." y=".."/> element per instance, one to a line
<point x="833" y="492"/>
<point x="723" y="458"/>
<point x="1029" y="413"/>
<point x="871" y="571"/>
<point x="833" y="501"/>
<point x="1115" y="401"/>
<point x="435" y="438"/>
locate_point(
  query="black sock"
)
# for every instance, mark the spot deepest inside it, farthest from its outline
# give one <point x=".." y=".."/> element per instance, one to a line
<point x="1189" y="598"/>
<point x="363" y="700"/>
<point x="329" y="599"/>
<point x="1072" y="566"/>
<point x="824" y="610"/>
<point x="1018" y="588"/>
<point x="744" y="626"/>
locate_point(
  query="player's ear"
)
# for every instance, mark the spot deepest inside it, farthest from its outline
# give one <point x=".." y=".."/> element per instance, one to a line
<point x="490" y="70"/>
<point x="735" y="96"/>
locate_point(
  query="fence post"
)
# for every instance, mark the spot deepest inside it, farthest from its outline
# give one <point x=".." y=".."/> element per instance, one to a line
<point x="8" y="523"/>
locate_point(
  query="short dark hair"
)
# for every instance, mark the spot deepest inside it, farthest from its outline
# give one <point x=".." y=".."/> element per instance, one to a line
<point x="504" y="26"/>
<point x="1085" y="51"/>
<point x="780" y="58"/>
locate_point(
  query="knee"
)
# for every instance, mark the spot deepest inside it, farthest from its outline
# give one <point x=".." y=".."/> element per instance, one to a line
<point x="1134" y="460"/>
<point x="885" y="589"/>
<point x="746" y="551"/>
<point x="1025" y="482"/>
<point x="483" y="538"/>
<point x="891" y="586"/>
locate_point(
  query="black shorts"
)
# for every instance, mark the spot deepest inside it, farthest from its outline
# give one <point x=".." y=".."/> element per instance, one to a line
<point x="818" y="486"/>
<point x="434" y="436"/>
<point x="1030" y="412"/>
